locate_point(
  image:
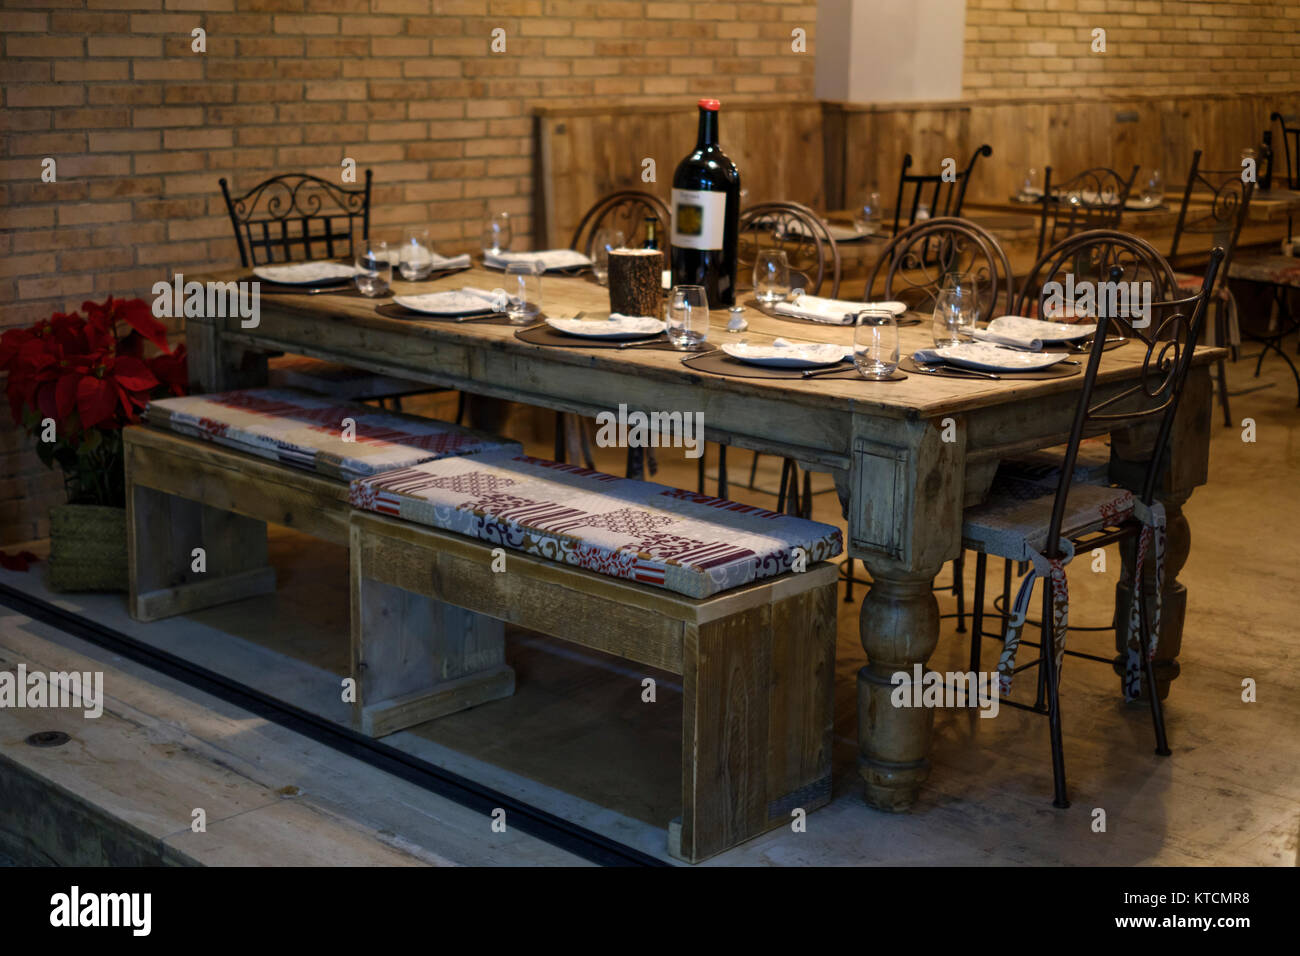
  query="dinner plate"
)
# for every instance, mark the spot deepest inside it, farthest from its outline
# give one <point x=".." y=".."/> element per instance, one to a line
<point x="306" y="273"/>
<point x="1020" y="327"/>
<point x="993" y="358"/>
<point x="624" y="327"/>
<point x="451" y="303"/>
<point x="811" y="355"/>
<point x="551" y="260"/>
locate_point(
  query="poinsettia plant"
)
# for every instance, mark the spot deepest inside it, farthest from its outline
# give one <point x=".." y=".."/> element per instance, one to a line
<point x="75" y="380"/>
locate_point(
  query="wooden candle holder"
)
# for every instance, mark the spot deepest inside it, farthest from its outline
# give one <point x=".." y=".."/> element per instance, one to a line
<point x="635" y="281"/>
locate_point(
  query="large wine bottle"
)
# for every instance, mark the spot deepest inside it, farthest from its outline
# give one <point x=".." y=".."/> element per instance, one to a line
<point x="706" y="215"/>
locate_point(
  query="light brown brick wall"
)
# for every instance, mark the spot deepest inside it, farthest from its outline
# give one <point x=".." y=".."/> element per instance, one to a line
<point x="1017" y="48"/>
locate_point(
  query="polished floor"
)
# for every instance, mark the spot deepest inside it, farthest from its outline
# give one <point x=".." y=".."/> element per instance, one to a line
<point x="577" y="738"/>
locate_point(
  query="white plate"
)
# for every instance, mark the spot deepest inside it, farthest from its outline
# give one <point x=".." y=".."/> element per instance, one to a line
<point x="549" y="260"/>
<point x="812" y="308"/>
<point x="992" y="358"/>
<point x="1019" y="327"/>
<point x="445" y="303"/>
<point x="813" y="355"/>
<point x="306" y="273"/>
<point x="627" y="327"/>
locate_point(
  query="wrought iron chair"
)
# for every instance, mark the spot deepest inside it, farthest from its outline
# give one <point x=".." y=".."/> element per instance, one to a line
<point x="1229" y="205"/>
<point x="295" y="217"/>
<point x="945" y="196"/>
<point x="1045" y="527"/>
<point x="626" y="211"/>
<point x="1094" y="199"/>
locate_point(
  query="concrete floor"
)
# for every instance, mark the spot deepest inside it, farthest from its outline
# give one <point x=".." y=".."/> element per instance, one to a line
<point x="576" y="739"/>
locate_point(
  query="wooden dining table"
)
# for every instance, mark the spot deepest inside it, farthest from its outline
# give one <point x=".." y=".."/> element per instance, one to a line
<point x="906" y="456"/>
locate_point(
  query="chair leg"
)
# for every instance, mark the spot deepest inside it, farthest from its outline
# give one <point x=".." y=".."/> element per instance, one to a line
<point x="753" y="470"/>
<point x="559" y="436"/>
<point x="848" y="581"/>
<point x="699" y="471"/>
<point x="977" y="612"/>
<point x="959" y="590"/>
<point x="722" y="471"/>
<point x="805" y="510"/>
<point x="1149" y="674"/>
<point x="1048" y="648"/>
<point x="460" y="407"/>
<point x="785" y="480"/>
<point x="1221" y="318"/>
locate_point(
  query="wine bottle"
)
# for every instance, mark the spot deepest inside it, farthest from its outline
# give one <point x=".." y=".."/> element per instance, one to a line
<point x="706" y="215"/>
<point x="651" y="233"/>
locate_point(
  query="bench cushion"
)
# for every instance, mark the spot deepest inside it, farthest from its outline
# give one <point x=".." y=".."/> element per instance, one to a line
<point x="680" y="540"/>
<point x="307" y="431"/>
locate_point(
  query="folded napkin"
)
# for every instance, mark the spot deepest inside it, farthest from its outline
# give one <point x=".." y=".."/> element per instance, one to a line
<point x="547" y="259"/>
<point x="831" y="311"/>
<point x="497" y="298"/>
<point x="619" y="316"/>
<point x="1010" y="341"/>
<point x="455" y="262"/>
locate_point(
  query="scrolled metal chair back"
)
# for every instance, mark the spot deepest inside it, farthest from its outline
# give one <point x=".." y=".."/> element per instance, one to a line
<point x="294" y="217"/>
<point x="799" y="232"/>
<point x="1229" y="205"/>
<point x="918" y="259"/>
<point x="1169" y="329"/>
<point x="625" y="211"/>
<point x="1290" y="149"/>
<point x="943" y="193"/>
<point x="1093" y="199"/>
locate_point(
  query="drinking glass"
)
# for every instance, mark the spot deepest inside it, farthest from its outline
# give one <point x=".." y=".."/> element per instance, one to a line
<point x="954" y="315"/>
<point x="866" y="217"/>
<point x="374" y="266"/>
<point x="1153" y="191"/>
<point x="688" y="316"/>
<point x="415" y="258"/>
<point x="1029" y="188"/>
<point x="524" y="289"/>
<point x="771" y="276"/>
<point x="875" y="345"/>
<point x="605" y="240"/>
<point x="496" y="234"/>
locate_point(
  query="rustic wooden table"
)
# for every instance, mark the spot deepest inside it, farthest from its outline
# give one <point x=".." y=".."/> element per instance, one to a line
<point x="906" y="456"/>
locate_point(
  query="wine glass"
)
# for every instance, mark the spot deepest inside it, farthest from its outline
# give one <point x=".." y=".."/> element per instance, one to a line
<point x="604" y="241"/>
<point x="524" y="290"/>
<point x="1153" y="191"/>
<point x="688" y="316"/>
<point x="374" y="268"/>
<point x="771" y="276"/>
<point x="954" y="314"/>
<point x="415" y="258"/>
<point x="875" y="345"/>
<point x="496" y="234"/>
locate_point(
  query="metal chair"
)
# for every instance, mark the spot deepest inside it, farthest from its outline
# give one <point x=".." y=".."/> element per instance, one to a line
<point x="626" y="211"/>
<point x="800" y="233"/>
<point x="1094" y="199"/>
<point x="947" y="191"/>
<point x="1229" y="205"/>
<point x="1048" y="530"/>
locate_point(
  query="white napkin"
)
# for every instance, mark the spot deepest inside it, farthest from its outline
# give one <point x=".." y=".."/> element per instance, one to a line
<point x="497" y="298"/>
<point x="619" y="317"/>
<point x="547" y="259"/>
<point x="455" y="262"/>
<point x="786" y="344"/>
<point x="1010" y="341"/>
<point x="831" y="311"/>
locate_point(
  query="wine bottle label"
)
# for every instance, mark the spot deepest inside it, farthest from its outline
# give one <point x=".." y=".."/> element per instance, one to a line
<point x="698" y="219"/>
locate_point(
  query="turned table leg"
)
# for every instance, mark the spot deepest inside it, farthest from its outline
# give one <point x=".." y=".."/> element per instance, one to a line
<point x="899" y="624"/>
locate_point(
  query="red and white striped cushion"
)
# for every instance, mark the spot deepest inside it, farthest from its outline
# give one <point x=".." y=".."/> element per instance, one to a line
<point x="337" y="439"/>
<point x="686" y="542"/>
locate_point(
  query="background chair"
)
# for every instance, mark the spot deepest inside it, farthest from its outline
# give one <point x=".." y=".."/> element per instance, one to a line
<point x="294" y="217"/>
<point x="1228" y="199"/>
<point x="943" y="197"/>
<point x="1094" y="199"/>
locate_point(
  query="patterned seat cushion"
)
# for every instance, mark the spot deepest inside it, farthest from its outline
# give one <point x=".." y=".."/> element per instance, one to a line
<point x="1013" y="527"/>
<point x="1273" y="268"/>
<point x="686" y="542"/>
<point x="310" y="432"/>
<point x="1039" y="472"/>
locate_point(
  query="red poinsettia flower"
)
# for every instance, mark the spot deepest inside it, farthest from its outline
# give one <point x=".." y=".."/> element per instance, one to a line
<point x="172" y="370"/>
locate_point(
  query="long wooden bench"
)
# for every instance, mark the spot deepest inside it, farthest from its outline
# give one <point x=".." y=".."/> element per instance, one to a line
<point x="757" y="662"/>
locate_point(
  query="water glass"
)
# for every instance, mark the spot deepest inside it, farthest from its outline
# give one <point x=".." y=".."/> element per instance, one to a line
<point x="875" y="345"/>
<point x="688" y="316"/>
<point x="415" y="258"/>
<point x="374" y="268"/>
<point x="1153" y="191"/>
<point x="604" y="241"/>
<point x="1029" y="188"/>
<point x="954" y="315"/>
<point x="866" y="217"/>
<point x="496" y="234"/>
<point x="524" y="290"/>
<point x="771" y="276"/>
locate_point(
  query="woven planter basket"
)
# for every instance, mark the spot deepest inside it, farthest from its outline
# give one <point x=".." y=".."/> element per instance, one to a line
<point x="87" y="548"/>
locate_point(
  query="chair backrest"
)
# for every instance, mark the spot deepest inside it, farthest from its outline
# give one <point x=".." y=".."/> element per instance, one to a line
<point x="625" y="211"/>
<point x="295" y="217"/>
<point x="1074" y="269"/>
<point x="1093" y="199"/>
<point x="1229" y="204"/>
<point x="800" y="233"/>
<point x="1290" y="150"/>
<point x="916" y="261"/>
<point x="1169" y="334"/>
<point x="943" y="192"/>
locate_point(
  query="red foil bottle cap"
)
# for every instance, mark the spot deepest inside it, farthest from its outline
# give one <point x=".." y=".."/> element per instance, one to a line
<point x="713" y="105"/>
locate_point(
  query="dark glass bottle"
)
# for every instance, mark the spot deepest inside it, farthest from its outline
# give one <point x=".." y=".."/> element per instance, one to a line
<point x="651" y="233"/>
<point x="706" y="215"/>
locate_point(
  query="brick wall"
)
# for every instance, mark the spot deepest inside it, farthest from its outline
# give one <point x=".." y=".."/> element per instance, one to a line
<point x="1026" y="47"/>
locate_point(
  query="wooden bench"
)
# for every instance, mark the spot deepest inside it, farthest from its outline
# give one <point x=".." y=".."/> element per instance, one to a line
<point x="757" y="662"/>
<point x="184" y="493"/>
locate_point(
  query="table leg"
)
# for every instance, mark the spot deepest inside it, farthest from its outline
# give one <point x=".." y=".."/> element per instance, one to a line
<point x="216" y="365"/>
<point x="899" y="624"/>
